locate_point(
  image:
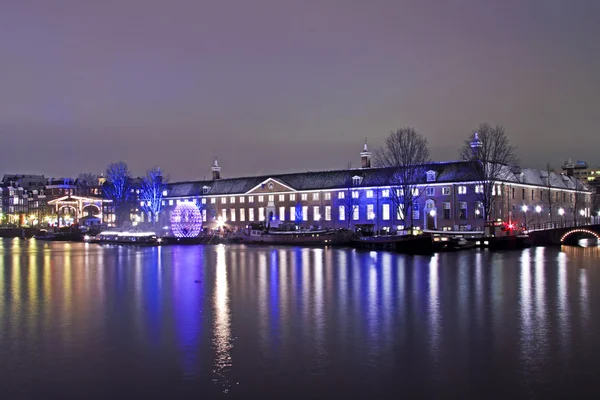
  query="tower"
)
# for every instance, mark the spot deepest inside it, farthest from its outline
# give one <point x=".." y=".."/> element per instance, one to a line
<point x="365" y="156"/>
<point x="216" y="170"/>
<point x="475" y="146"/>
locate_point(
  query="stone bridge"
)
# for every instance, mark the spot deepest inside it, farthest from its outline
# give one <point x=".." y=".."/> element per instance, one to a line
<point x="564" y="235"/>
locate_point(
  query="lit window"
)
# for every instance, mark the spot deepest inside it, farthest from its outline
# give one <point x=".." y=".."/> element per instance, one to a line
<point x="446" y="210"/>
<point x="142" y="204"/>
<point x="304" y="213"/>
<point x="232" y="199"/>
<point x="415" y="191"/>
<point x="342" y="211"/>
<point x="341" y="195"/>
<point x="355" y="214"/>
<point x="232" y="214"/>
<point x="462" y="211"/>
<point x="430" y="191"/>
<point x="315" y="196"/>
<point x="271" y="197"/>
<point x="369" y="194"/>
<point x="223" y="200"/>
<point x="355" y="194"/>
<point x="224" y="214"/>
<point x="370" y="213"/>
<point x="203" y="201"/>
<point x="261" y="213"/>
<point x="242" y="199"/>
<point x="327" y="213"/>
<point x="165" y="192"/>
<point x="292" y="197"/>
<point x="327" y="196"/>
<point x="479" y="189"/>
<point x="462" y="190"/>
<point x="170" y="202"/>
<point x="304" y="196"/>
<point x="213" y="200"/>
<point x="251" y="214"/>
<point x="281" y="197"/>
<point x="399" y="192"/>
<point x="385" y="211"/>
<point x="261" y="199"/>
<point x="446" y="191"/>
<point x="316" y="213"/>
<point x="250" y="199"/>
<point x="292" y="213"/>
<point x="163" y="203"/>
<point x="282" y="213"/>
<point x="385" y="193"/>
<point x="431" y="176"/>
<point x="242" y="214"/>
<point x="203" y="215"/>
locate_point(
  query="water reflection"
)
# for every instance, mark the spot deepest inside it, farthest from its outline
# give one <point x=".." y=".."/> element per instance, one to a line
<point x="222" y="341"/>
<point x="301" y="319"/>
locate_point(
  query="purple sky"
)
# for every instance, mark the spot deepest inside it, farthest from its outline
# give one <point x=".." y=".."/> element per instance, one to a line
<point x="277" y="86"/>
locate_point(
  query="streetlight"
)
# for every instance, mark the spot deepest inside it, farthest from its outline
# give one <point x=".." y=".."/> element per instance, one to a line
<point x="561" y="212"/>
<point x="524" y="209"/>
<point x="538" y="210"/>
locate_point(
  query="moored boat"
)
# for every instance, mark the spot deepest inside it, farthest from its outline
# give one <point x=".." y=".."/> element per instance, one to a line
<point x="130" y="238"/>
<point x="326" y="237"/>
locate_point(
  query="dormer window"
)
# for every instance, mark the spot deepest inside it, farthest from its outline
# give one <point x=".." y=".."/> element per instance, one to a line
<point x="431" y="176"/>
<point x="356" y="180"/>
<point x="205" y="189"/>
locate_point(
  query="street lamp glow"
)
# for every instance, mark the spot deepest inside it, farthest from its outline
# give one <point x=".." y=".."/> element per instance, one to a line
<point x="561" y="211"/>
<point x="538" y="209"/>
<point x="220" y="222"/>
<point x="581" y="212"/>
<point x="432" y="213"/>
<point x="477" y="212"/>
<point x="524" y="208"/>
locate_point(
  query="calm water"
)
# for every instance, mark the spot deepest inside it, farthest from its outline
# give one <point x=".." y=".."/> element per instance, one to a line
<point x="86" y="321"/>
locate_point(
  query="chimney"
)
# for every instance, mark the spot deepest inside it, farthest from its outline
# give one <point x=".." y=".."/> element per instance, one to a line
<point x="475" y="146"/>
<point x="365" y="156"/>
<point x="216" y="170"/>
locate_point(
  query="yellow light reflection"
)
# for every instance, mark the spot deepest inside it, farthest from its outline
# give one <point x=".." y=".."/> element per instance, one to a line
<point x="222" y="325"/>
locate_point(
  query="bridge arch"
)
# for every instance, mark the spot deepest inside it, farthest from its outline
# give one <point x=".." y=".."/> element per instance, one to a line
<point x="577" y="232"/>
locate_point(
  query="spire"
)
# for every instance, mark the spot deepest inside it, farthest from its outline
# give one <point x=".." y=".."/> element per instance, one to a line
<point x="365" y="156"/>
<point x="475" y="145"/>
<point x="216" y="170"/>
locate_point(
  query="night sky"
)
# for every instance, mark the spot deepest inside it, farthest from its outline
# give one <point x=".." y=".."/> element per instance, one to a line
<point x="277" y="86"/>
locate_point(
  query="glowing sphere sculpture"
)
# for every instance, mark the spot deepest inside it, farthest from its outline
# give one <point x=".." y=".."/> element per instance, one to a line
<point x="186" y="220"/>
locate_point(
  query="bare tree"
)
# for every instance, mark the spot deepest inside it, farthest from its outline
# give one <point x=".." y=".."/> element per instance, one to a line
<point x="580" y="201"/>
<point x="118" y="188"/>
<point x="406" y="152"/>
<point x="547" y="194"/>
<point x="86" y="181"/>
<point x="152" y="189"/>
<point x="491" y="157"/>
<point x="350" y="200"/>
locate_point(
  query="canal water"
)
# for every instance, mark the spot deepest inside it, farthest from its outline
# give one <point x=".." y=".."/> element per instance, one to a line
<point x="231" y="321"/>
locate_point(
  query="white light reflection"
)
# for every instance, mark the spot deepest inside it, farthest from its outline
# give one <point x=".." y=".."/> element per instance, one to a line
<point x="584" y="300"/>
<point x="319" y="313"/>
<point x="434" y="306"/>
<point x="222" y="324"/>
<point x="540" y="294"/>
<point x="563" y="308"/>
<point x="528" y="352"/>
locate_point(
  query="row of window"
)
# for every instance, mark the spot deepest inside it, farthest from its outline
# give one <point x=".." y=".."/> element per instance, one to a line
<point x="385" y="193"/>
<point x="301" y="213"/>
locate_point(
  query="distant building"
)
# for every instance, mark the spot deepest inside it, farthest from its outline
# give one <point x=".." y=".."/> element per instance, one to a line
<point x="447" y="201"/>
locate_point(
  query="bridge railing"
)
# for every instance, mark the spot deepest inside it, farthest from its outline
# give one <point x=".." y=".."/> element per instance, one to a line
<point x="558" y="224"/>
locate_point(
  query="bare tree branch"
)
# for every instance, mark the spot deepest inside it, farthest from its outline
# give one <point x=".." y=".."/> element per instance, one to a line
<point x="406" y="151"/>
<point x="492" y="157"/>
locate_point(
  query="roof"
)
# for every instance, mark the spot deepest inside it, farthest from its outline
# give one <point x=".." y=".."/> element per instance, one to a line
<point x="449" y="172"/>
